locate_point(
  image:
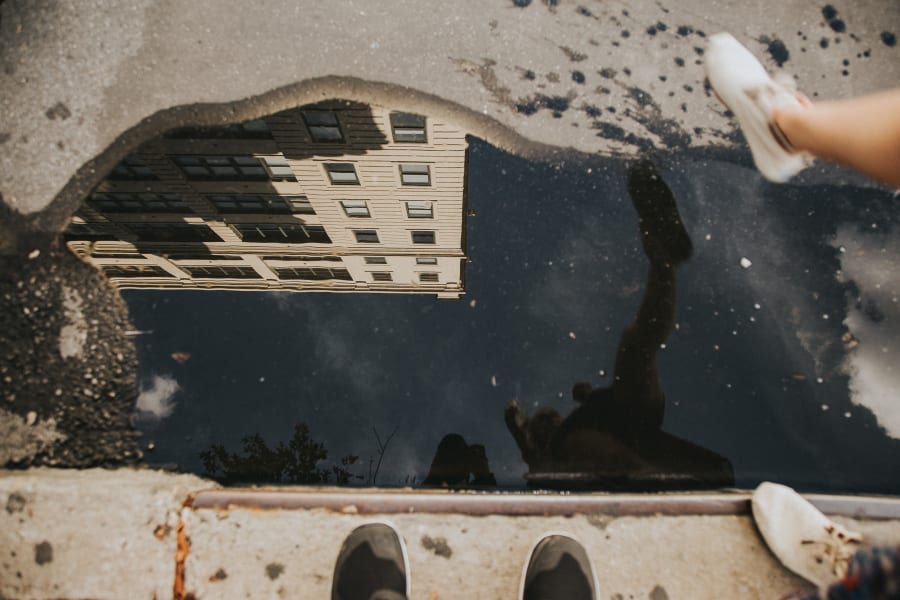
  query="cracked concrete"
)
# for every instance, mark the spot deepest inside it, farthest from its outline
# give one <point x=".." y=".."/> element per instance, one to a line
<point x="114" y="534"/>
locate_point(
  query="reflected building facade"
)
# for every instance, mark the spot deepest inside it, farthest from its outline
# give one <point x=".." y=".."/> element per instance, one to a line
<point x="336" y="197"/>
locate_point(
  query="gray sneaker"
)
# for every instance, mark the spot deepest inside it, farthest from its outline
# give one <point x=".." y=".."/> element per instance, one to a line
<point x="372" y="565"/>
<point x="558" y="568"/>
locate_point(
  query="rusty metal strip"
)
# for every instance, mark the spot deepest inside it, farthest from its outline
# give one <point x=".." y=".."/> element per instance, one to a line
<point x="526" y="504"/>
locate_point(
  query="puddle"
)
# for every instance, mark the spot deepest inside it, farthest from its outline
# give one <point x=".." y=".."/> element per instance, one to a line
<point x="342" y="294"/>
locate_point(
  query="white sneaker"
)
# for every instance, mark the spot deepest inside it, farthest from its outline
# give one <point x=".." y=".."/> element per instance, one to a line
<point x="743" y="85"/>
<point x="802" y="538"/>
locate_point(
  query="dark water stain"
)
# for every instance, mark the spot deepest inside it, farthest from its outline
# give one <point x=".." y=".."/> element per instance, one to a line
<point x="661" y="26"/>
<point x="659" y="593"/>
<point x="663" y="78"/>
<point x="888" y="38"/>
<point x="219" y="575"/>
<point x="591" y="110"/>
<point x="274" y="570"/>
<point x="437" y="545"/>
<point x="684" y="30"/>
<point x="776" y="49"/>
<point x="846" y="62"/>
<point x="651" y="30"/>
<point x="4" y="137"/>
<point x="823" y="43"/>
<point x="529" y="75"/>
<point x="640" y="96"/>
<point x="612" y="131"/>
<point x="43" y="553"/>
<point x="679" y="61"/>
<point x="627" y="71"/>
<point x="626" y="33"/>
<point x="584" y="12"/>
<point x="698" y="50"/>
<point x="838" y="25"/>
<point x="553" y="77"/>
<point x="651" y="118"/>
<point x="830" y="13"/>
<point x="521" y="3"/>
<point x="529" y="106"/>
<point x="607" y="72"/>
<point x="573" y="55"/>
<point x="58" y="111"/>
<point x="15" y="503"/>
<point x="687" y="88"/>
<point x="577" y="76"/>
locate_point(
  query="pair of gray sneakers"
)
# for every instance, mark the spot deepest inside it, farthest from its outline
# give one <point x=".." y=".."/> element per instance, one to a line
<point x="373" y="565"/>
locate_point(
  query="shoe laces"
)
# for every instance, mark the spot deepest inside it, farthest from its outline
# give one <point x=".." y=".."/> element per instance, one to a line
<point x="836" y="546"/>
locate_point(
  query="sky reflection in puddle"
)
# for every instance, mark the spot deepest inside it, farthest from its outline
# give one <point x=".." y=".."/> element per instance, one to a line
<point x="777" y="362"/>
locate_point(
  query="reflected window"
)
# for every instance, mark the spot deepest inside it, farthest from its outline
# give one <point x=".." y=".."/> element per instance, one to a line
<point x="278" y="167"/>
<point x="132" y="167"/>
<point x="408" y="127"/>
<point x="376" y="260"/>
<point x="366" y="236"/>
<point x="415" y="174"/>
<point x="428" y="277"/>
<point x="355" y="208"/>
<point x="129" y="255"/>
<point x="201" y="256"/>
<point x="145" y="202"/>
<point x="256" y="130"/>
<point x="284" y="233"/>
<point x="342" y="173"/>
<point x="261" y="204"/>
<point x="419" y="209"/>
<point x="423" y="237"/>
<point x="135" y="271"/>
<point x="303" y="257"/>
<point x="222" y="168"/>
<point x="173" y="232"/>
<point x="222" y="272"/>
<point x="382" y="276"/>
<point x="313" y="273"/>
<point x="88" y="232"/>
<point x="426" y="260"/>
<point x="323" y="126"/>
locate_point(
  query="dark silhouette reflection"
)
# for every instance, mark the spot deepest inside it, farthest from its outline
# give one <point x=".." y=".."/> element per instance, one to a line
<point x="457" y="464"/>
<point x="298" y="461"/>
<point x="614" y="437"/>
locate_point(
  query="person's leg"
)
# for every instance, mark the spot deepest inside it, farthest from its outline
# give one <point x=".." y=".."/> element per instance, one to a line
<point x="862" y="133"/>
<point x="372" y="565"/>
<point x="558" y="568"/>
<point x="637" y="389"/>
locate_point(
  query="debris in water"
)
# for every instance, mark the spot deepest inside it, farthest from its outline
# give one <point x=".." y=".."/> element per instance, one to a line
<point x="181" y="357"/>
<point x="494" y="380"/>
<point x="572" y="335"/>
<point x="34" y="254"/>
<point x="745" y="262"/>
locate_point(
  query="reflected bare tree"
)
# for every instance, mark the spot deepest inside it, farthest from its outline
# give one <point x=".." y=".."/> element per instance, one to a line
<point x="298" y="461"/>
<point x="614" y="437"/>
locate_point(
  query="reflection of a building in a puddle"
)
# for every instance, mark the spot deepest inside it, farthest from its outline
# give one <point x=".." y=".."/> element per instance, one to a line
<point x="614" y="438"/>
<point x="332" y="197"/>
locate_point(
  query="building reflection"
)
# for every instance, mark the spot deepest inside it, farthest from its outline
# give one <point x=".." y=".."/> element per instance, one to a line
<point x="613" y="439"/>
<point x="336" y="196"/>
<point x="346" y="197"/>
